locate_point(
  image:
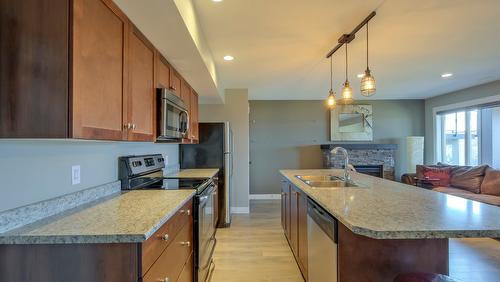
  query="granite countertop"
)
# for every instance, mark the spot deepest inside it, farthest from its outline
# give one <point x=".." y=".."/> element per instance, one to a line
<point x="195" y="173"/>
<point x="386" y="209"/>
<point x="129" y="217"/>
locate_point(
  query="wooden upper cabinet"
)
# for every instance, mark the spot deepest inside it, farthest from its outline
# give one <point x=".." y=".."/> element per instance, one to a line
<point x="99" y="70"/>
<point x="194" y="116"/>
<point x="175" y="82"/>
<point x="162" y="72"/>
<point x="34" y="60"/>
<point x="140" y="98"/>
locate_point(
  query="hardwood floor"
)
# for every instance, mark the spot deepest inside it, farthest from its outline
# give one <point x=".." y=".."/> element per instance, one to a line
<point x="255" y="249"/>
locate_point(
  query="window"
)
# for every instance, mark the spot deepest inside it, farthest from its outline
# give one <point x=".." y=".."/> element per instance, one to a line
<point x="469" y="136"/>
<point x="459" y="137"/>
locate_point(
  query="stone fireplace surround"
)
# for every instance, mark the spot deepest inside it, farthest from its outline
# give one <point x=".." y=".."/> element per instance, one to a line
<point x="363" y="154"/>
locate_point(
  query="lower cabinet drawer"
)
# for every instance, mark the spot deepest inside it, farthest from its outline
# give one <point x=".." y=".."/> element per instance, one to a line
<point x="154" y="246"/>
<point x="187" y="274"/>
<point x="169" y="265"/>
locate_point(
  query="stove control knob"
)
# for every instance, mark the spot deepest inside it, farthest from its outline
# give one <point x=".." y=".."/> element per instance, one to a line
<point x="164" y="237"/>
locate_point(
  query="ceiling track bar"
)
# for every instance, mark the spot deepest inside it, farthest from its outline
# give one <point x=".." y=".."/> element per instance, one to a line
<point x="347" y="38"/>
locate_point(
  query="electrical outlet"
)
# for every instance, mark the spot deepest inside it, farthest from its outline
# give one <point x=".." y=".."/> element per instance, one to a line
<point x="75" y="175"/>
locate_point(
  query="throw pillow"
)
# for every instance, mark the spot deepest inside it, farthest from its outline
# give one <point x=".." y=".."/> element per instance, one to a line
<point x="441" y="173"/>
<point x="468" y="178"/>
<point x="491" y="182"/>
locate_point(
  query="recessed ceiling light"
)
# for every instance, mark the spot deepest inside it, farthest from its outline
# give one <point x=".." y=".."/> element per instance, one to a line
<point x="360" y="75"/>
<point x="446" y="75"/>
<point x="228" y="58"/>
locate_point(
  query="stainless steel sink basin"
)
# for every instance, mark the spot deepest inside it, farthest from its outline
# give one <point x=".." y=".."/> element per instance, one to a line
<point x="330" y="184"/>
<point x="326" y="181"/>
<point x="318" y="177"/>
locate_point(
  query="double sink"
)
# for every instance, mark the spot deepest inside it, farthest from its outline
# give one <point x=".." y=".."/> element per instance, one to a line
<point x="326" y="181"/>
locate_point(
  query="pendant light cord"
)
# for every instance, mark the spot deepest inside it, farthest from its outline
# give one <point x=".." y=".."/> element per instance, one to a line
<point x="366" y="45"/>
<point x="346" y="62"/>
<point x="331" y="74"/>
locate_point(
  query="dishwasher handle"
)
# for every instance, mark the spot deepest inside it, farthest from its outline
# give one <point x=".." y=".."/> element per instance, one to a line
<point x="324" y="220"/>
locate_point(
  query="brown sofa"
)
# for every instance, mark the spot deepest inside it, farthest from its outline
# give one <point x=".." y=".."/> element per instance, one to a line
<point x="480" y="183"/>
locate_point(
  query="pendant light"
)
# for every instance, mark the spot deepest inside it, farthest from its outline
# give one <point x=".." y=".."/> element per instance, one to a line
<point x="346" y="88"/>
<point x="368" y="86"/>
<point x="331" y="94"/>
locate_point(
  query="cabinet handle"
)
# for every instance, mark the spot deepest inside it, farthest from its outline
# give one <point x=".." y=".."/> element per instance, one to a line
<point x="164" y="279"/>
<point x="134" y="126"/>
<point x="165" y="237"/>
<point x="283" y="194"/>
<point x="127" y="126"/>
<point x="173" y="88"/>
<point x="186" y="243"/>
<point x="188" y="212"/>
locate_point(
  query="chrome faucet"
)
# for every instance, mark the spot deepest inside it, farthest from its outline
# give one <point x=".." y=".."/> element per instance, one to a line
<point x="347" y="166"/>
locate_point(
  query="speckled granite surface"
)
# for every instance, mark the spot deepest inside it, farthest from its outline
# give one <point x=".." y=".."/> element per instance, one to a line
<point x="125" y="218"/>
<point x="195" y="173"/>
<point x="392" y="210"/>
<point x="21" y="216"/>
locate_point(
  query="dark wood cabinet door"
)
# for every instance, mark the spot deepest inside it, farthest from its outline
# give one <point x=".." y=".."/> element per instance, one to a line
<point x="34" y="59"/>
<point x="175" y="81"/>
<point x="302" y="232"/>
<point x="99" y="70"/>
<point x="163" y="72"/>
<point x="194" y="116"/>
<point x="285" y="209"/>
<point x="140" y="98"/>
<point x="294" y="220"/>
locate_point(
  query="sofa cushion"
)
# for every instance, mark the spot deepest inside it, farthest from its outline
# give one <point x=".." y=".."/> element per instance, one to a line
<point x="468" y="178"/>
<point x="483" y="198"/>
<point x="441" y="173"/>
<point x="491" y="182"/>
<point x="452" y="191"/>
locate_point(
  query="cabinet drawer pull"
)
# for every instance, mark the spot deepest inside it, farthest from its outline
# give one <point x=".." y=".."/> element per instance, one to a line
<point x="188" y="211"/>
<point x="173" y="88"/>
<point x="186" y="243"/>
<point x="164" y="279"/>
<point x="165" y="237"/>
<point x="134" y="126"/>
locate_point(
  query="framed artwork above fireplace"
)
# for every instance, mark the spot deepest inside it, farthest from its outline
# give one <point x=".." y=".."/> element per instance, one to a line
<point x="351" y="123"/>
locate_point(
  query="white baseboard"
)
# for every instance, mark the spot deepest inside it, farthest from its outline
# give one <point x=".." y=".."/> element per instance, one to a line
<point x="240" y="210"/>
<point x="264" y="196"/>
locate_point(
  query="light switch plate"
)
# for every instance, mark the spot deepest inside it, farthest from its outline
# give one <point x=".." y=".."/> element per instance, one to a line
<point x="75" y="175"/>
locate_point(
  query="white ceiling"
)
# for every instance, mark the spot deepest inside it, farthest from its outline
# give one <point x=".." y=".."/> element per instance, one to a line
<point x="279" y="45"/>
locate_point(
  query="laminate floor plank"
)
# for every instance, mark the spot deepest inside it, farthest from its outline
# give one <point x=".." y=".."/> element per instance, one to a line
<point x="255" y="249"/>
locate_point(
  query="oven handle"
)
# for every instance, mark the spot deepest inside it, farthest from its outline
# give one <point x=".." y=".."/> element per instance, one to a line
<point x="211" y="253"/>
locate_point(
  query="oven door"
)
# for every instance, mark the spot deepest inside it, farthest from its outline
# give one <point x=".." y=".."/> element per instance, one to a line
<point x="206" y="233"/>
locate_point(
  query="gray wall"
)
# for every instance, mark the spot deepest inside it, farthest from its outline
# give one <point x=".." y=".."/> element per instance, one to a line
<point x="37" y="170"/>
<point x="287" y="134"/>
<point x="476" y="92"/>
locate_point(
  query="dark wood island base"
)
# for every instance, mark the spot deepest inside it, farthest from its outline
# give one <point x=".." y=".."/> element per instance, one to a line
<point x="366" y="259"/>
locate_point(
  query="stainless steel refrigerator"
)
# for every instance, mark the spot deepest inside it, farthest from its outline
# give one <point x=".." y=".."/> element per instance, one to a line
<point x="214" y="150"/>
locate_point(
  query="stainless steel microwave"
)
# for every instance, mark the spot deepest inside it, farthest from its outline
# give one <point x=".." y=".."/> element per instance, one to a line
<point x="173" y="116"/>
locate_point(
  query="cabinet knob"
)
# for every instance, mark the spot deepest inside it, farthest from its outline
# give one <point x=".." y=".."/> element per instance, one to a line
<point x="165" y="237"/>
<point x="186" y="243"/>
<point x="127" y="126"/>
<point x="283" y="194"/>
<point x="164" y="279"/>
<point x="173" y="88"/>
<point x="134" y="126"/>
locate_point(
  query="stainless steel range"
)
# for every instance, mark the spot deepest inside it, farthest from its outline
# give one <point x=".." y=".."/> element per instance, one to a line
<point x="146" y="172"/>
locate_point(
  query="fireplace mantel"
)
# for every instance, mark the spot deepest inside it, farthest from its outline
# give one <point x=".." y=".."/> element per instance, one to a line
<point x="359" y="146"/>
<point x="367" y="154"/>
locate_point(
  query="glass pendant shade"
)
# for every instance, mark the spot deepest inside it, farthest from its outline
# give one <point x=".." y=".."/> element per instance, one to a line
<point x="346" y="93"/>
<point x="331" y="99"/>
<point x="368" y="86"/>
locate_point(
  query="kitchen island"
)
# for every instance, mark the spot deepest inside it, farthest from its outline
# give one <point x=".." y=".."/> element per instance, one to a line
<point x="384" y="227"/>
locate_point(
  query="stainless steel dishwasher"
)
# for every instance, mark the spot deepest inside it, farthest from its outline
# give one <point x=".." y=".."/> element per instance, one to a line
<point x="322" y="239"/>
